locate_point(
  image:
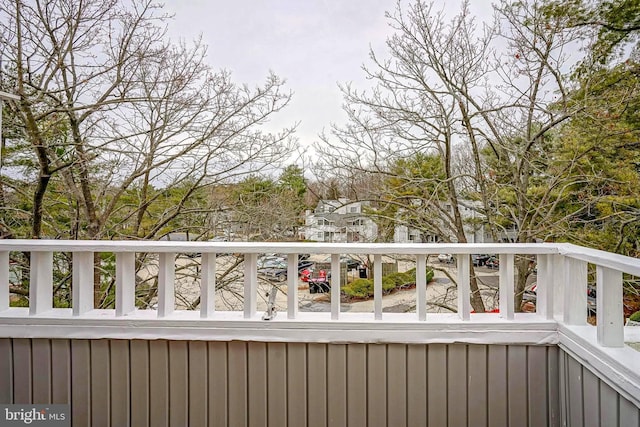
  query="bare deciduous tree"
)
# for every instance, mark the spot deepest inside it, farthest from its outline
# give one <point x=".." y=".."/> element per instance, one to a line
<point x="455" y="91"/>
<point x="109" y="109"/>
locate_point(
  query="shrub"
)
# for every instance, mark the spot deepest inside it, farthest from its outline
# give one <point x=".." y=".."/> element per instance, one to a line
<point x="363" y="288"/>
<point x="359" y="288"/>
<point x="635" y="317"/>
<point x="387" y="284"/>
<point x="400" y="279"/>
<point x="412" y="272"/>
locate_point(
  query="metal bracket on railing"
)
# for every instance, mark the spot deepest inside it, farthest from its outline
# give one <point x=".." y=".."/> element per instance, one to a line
<point x="271" y="304"/>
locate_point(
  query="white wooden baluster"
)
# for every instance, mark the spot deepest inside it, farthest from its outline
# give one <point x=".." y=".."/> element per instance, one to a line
<point x="292" y="286"/>
<point x="609" y="315"/>
<point x="421" y="286"/>
<point x="82" y="283"/>
<point x="544" y="290"/>
<point x="377" y="286"/>
<point x="125" y="283"/>
<point x="166" y="283"/>
<point x="4" y="280"/>
<point x="507" y="293"/>
<point x="335" y="286"/>
<point x="558" y="285"/>
<point x="250" y="285"/>
<point x="464" y="293"/>
<point x="41" y="286"/>
<point x="575" y="292"/>
<point x="208" y="285"/>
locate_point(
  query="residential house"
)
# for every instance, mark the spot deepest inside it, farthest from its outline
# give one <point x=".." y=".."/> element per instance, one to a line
<point x="339" y="221"/>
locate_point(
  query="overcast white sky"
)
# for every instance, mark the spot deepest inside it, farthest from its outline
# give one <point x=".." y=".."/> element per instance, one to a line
<point x="313" y="44"/>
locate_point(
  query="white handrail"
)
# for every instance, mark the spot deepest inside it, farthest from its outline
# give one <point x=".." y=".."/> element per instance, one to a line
<point x="562" y="277"/>
<point x="45" y="245"/>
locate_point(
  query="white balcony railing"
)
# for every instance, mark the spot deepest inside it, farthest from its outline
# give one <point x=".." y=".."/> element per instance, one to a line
<point x="560" y="317"/>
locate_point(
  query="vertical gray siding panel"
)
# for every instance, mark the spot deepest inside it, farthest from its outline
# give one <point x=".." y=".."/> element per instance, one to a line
<point x="100" y="383"/>
<point x="140" y="398"/>
<point x="608" y="405"/>
<point x="257" y="383"/>
<point x="317" y="384"/>
<point x="457" y="385"/>
<point x="564" y="392"/>
<point x="537" y="383"/>
<point x="158" y="383"/>
<point x="60" y="371"/>
<point x="591" y="393"/>
<point x="574" y="387"/>
<point x="41" y="353"/>
<point x="477" y="395"/>
<point x="517" y="384"/>
<point x="197" y="383"/>
<point x="553" y="379"/>
<point x="22" y="374"/>
<point x="337" y="399"/>
<point x="357" y="384"/>
<point x="417" y="385"/>
<point x="297" y="397"/>
<point x="178" y="388"/>
<point x="237" y="383"/>
<point x="629" y="414"/>
<point x="277" y="384"/>
<point x="120" y="370"/>
<point x="377" y="386"/>
<point x="397" y="384"/>
<point x="6" y="371"/>
<point x="218" y="384"/>
<point x="497" y="385"/>
<point x="437" y="385"/>
<point x="80" y="383"/>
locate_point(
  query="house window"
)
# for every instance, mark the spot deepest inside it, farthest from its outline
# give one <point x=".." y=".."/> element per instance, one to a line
<point x="319" y="235"/>
<point x="353" y="209"/>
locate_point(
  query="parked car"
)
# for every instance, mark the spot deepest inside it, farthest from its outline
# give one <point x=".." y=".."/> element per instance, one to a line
<point x="351" y="263"/>
<point x="479" y="259"/>
<point x="492" y="262"/>
<point x="284" y="256"/>
<point x="268" y="261"/>
<point x="448" y="258"/>
<point x="530" y="293"/>
<point x="277" y="269"/>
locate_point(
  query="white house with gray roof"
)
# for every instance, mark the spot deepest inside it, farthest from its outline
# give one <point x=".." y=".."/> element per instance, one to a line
<point x="339" y="221"/>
